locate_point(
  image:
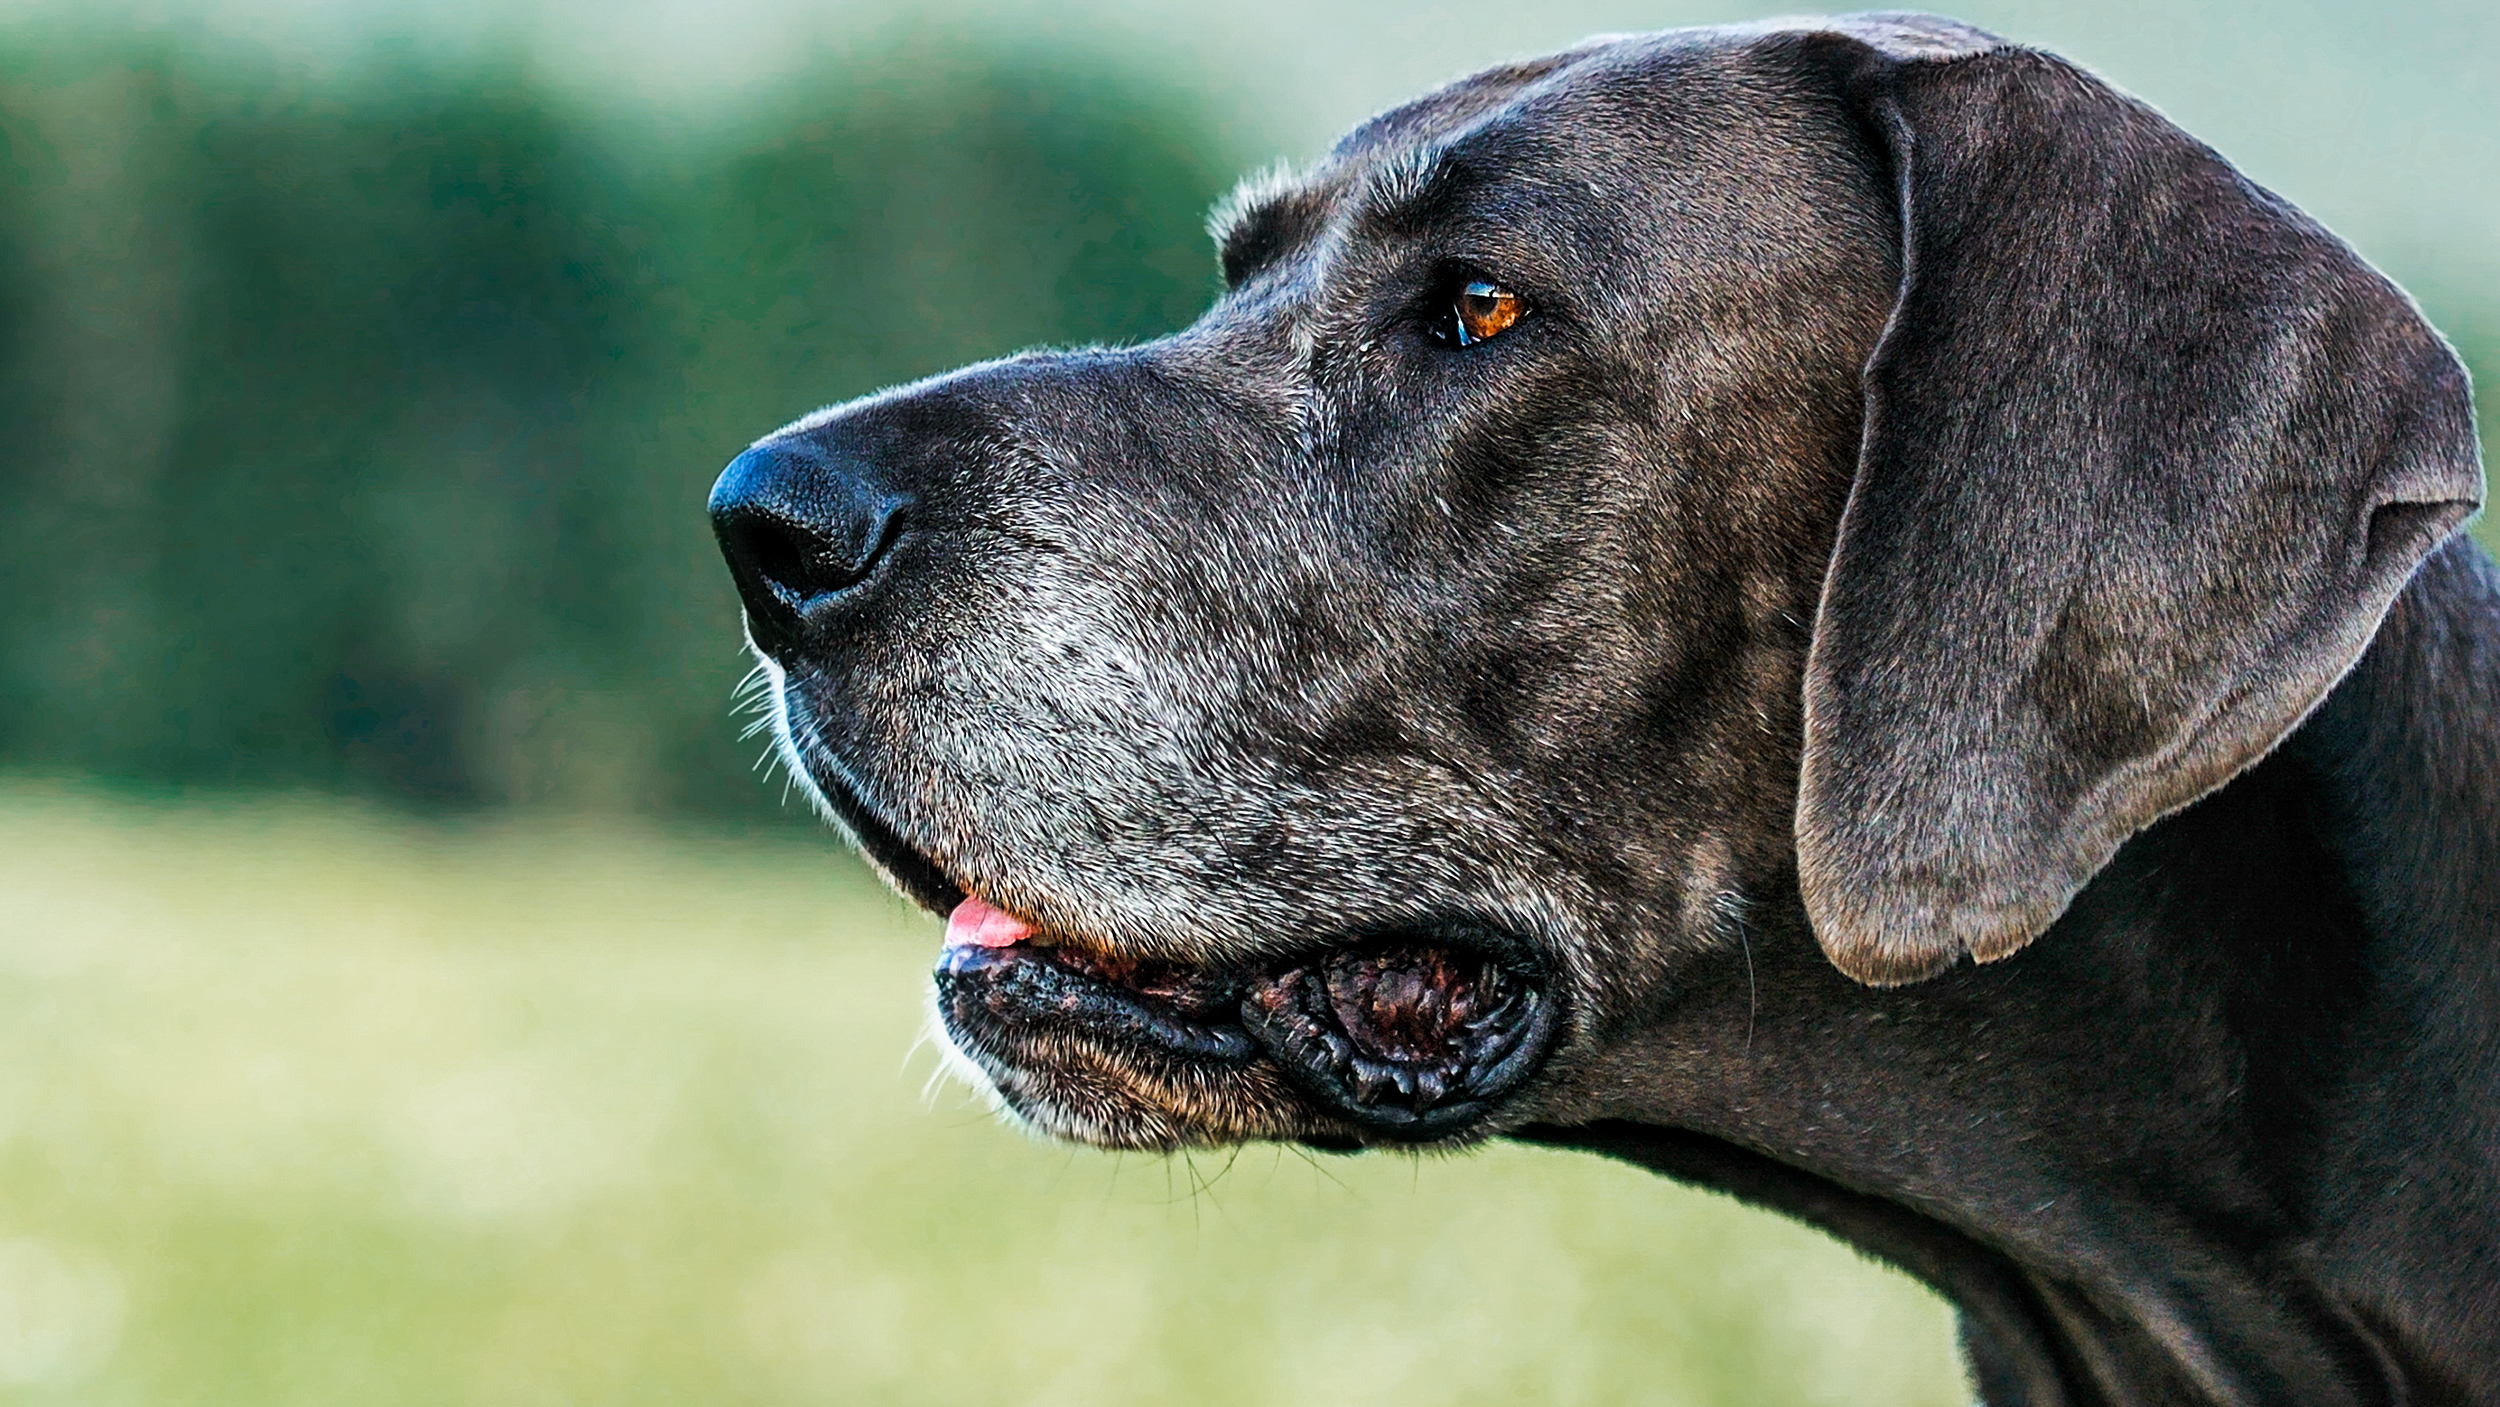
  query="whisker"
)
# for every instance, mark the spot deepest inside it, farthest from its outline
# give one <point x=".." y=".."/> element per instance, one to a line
<point x="1306" y="1156"/>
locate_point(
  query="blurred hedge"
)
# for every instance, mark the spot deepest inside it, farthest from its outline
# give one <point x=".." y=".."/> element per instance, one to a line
<point x="358" y="426"/>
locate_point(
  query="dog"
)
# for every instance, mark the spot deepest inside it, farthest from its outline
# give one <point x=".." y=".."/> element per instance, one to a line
<point x="1836" y="609"/>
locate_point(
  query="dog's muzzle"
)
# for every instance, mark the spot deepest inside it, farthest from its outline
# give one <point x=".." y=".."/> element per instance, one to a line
<point x="859" y="539"/>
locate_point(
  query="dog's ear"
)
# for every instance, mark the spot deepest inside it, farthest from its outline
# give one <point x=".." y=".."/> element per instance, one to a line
<point x="2147" y="456"/>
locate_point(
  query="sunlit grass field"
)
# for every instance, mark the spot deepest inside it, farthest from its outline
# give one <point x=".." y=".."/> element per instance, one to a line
<point x="305" y="1104"/>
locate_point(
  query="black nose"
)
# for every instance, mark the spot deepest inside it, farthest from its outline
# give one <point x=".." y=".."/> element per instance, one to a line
<point x="801" y="527"/>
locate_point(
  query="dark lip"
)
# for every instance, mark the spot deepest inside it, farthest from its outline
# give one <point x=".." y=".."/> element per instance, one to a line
<point x="1007" y="987"/>
<point x="1482" y="1087"/>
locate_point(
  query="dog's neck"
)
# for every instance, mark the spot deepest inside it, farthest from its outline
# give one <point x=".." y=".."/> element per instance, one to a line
<point x="2404" y="760"/>
<point x="2206" y="1138"/>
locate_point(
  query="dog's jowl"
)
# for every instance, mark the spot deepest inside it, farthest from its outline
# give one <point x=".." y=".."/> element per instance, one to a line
<point x="1838" y="610"/>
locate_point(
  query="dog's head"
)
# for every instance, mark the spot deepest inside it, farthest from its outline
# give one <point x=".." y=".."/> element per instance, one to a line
<point x="1859" y="471"/>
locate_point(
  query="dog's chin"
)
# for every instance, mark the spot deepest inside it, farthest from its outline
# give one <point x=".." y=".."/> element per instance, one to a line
<point x="1084" y="1089"/>
<point x="1410" y="1039"/>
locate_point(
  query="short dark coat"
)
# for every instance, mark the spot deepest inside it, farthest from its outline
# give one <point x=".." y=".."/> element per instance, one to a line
<point x="1935" y="661"/>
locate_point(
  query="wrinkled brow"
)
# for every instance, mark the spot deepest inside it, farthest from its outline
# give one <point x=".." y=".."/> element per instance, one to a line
<point x="1271" y="213"/>
<point x="1410" y="190"/>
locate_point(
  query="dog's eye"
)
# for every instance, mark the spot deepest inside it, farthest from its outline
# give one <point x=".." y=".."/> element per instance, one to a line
<point x="1482" y="309"/>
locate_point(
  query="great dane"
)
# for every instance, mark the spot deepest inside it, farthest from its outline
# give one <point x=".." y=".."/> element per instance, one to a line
<point x="1836" y="609"/>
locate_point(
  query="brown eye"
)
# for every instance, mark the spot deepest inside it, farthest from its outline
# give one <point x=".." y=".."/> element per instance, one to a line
<point x="1485" y="310"/>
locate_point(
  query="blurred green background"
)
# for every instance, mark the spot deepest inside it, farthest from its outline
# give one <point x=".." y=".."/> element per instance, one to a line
<point x="411" y="992"/>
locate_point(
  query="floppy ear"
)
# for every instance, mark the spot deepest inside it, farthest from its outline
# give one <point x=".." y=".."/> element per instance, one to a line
<point x="2147" y="456"/>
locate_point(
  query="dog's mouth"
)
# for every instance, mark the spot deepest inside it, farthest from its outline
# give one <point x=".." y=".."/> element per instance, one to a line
<point x="1406" y="1035"/>
<point x="1397" y="1038"/>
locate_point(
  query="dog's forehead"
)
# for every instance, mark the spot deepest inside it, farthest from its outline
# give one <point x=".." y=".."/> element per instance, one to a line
<point x="1694" y="109"/>
<point x="1574" y="87"/>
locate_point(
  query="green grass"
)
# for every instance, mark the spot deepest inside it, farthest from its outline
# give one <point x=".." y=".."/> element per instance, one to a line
<point x="304" y="1104"/>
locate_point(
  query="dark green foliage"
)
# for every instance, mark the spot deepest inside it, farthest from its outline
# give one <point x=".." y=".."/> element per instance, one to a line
<point x="358" y="432"/>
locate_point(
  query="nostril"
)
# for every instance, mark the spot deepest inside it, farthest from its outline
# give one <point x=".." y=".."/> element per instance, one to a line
<point x="781" y="565"/>
<point x="797" y="529"/>
<point x="796" y="563"/>
<point x="776" y="559"/>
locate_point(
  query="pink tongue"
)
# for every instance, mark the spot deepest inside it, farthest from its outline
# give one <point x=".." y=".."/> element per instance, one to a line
<point x="975" y="924"/>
